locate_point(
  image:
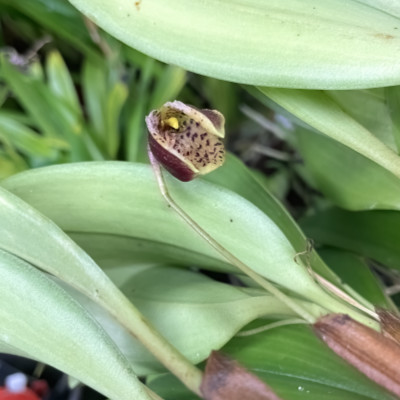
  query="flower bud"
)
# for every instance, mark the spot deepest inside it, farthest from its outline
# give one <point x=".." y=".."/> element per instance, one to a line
<point x="185" y="140"/>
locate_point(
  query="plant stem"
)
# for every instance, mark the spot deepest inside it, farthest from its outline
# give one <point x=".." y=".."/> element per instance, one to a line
<point x="273" y="325"/>
<point x="141" y="328"/>
<point x="222" y="250"/>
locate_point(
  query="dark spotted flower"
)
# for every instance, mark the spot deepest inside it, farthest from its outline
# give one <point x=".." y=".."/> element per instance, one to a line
<point x="185" y="140"/>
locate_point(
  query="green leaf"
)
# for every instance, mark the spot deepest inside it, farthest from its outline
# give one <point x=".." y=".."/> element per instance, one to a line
<point x="168" y="86"/>
<point x="50" y="249"/>
<point x="294" y="363"/>
<point x="194" y="313"/>
<point x="136" y="131"/>
<point x="28" y="141"/>
<point x="315" y="371"/>
<point x="391" y="7"/>
<point x="356" y="274"/>
<point x="114" y="250"/>
<point x="115" y="101"/>
<point x="237" y="177"/>
<point x="60" y="82"/>
<point x="52" y="116"/>
<point x="123" y="199"/>
<point x="258" y="42"/>
<point x="48" y="325"/>
<point x="374" y="234"/>
<point x="369" y="108"/>
<point x="393" y="105"/>
<point x="94" y="78"/>
<point x="9" y="166"/>
<point x="58" y="17"/>
<point x="347" y="178"/>
<point x="320" y="112"/>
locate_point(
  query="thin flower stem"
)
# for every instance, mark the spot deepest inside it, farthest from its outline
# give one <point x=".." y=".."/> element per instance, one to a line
<point x="222" y="250"/>
<point x="270" y="326"/>
<point x="330" y="287"/>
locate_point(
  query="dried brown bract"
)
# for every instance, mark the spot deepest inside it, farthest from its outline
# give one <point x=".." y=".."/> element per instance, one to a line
<point x="369" y="351"/>
<point x="226" y="379"/>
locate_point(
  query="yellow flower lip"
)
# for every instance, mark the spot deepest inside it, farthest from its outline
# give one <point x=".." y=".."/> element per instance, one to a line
<point x="187" y="141"/>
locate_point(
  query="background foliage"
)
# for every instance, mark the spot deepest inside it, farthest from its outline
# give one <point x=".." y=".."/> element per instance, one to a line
<point x="83" y="242"/>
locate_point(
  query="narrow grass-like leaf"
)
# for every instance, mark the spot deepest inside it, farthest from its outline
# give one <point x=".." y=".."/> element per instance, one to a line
<point x="373" y="234"/>
<point x="168" y="86"/>
<point x="59" y="18"/>
<point x="27" y="141"/>
<point x="9" y="167"/>
<point x="319" y="111"/>
<point x="258" y="42"/>
<point x="60" y="81"/>
<point x="136" y="129"/>
<point x="115" y="101"/>
<point x="37" y="315"/>
<point x="53" y="117"/>
<point x="122" y="199"/>
<point x="346" y="177"/>
<point x="94" y="87"/>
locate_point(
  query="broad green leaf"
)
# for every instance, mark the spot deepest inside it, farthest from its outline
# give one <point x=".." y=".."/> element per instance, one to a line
<point x="60" y="256"/>
<point x="315" y="371"/>
<point x="294" y="363"/>
<point x="345" y="177"/>
<point x="50" y="249"/>
<point x="110" y="251"/>
<point x="123" y="199"/>
<point x="369" y="108"/>
<point x="261" y="43"/>
<point x="42" y="320"/>
<point x="320" y="112"/>
<point x="373" y="234"/>
<point x="237" y="177"/>
<point x="355" y="273"/>
<point x="8" y="349"/>
<point x="393" y="106"/>
<point x="389" y="6"/>
<point x="193" y="312"/>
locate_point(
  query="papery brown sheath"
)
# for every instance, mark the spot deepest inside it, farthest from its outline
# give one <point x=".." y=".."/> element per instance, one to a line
<point x="390" y="324"/>
<point x="375" y="355"/>
<point x="225" y="378"/>
<point x="185" y="140"/>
